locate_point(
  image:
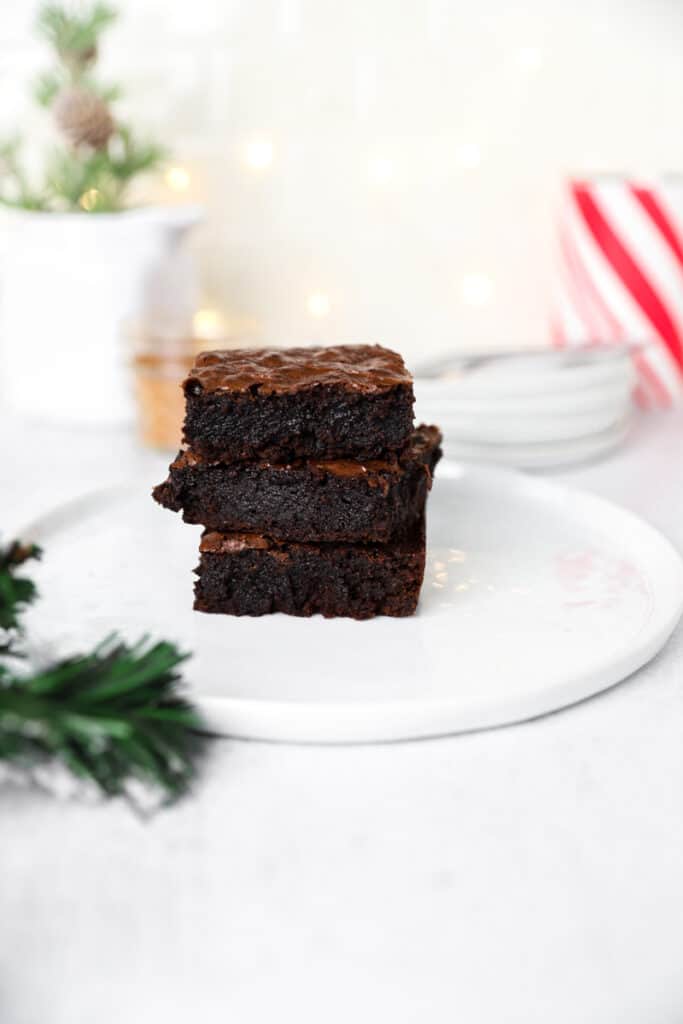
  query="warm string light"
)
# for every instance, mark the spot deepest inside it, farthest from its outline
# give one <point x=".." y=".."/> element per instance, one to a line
<point x="208" y="324"/>
<point x="318" y="304"/>
<point x="259" y="154"/>
<point x="178" y="179"/>
<point x="476" y="290"/>
<point x="88" y="200"/>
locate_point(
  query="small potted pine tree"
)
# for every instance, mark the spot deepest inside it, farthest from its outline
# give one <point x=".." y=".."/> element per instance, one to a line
<point x="79" y="259"/>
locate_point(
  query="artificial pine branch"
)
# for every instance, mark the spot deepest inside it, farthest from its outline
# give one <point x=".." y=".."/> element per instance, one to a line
<point x="112" y="717"/>
<point x="15" y="189"/>
<point x="99" y="157"/>
<point x="16" y="592"/>
<point x="75" y="35"/>
<point x="130" y="156"/>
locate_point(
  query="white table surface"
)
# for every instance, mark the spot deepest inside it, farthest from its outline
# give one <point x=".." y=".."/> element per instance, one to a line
<point x="531" y="874"/>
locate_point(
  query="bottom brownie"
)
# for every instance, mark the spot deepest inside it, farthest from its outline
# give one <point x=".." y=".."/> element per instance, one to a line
<point x="247" y="574"/>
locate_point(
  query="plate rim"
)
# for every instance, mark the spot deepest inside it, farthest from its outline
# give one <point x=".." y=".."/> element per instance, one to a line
<point x="349" y="722"/>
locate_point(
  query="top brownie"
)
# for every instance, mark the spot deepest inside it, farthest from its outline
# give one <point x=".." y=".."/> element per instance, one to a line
<point x="353" y="401"/>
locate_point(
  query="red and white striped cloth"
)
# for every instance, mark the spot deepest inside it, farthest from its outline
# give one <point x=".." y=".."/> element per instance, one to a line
<point x="621" y="277"/>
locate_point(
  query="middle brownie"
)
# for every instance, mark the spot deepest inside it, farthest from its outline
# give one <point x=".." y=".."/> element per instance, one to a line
<point x="317" y="501"/>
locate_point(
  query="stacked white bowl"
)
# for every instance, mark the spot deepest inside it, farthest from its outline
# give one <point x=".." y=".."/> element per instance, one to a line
<point x="533" y="409"/>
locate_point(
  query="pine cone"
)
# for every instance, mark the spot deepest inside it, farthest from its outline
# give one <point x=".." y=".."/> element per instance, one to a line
<point x="84" y="118"/>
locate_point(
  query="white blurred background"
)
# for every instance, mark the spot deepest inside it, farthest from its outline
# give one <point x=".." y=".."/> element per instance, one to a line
<point x="383" y="169"/>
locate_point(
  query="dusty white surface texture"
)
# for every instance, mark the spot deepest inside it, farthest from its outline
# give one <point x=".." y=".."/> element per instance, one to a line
<point x="529" y="874"/>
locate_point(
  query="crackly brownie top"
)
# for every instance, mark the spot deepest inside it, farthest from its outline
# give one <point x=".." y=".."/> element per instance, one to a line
<point x="366" y="368"/>
<point x="423" y="441"/>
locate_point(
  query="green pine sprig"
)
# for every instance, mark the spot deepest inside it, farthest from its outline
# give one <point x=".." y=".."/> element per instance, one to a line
<point x="107" y="173"/>
<point x="16" y="592"/>
<point x="113" y="717"/>
<point x="75" y="35"/>
<point x="15" y="187"/>
<point x="110" y="717"/>
<point x="78" y="177"/>
<point x="49" y="84"/>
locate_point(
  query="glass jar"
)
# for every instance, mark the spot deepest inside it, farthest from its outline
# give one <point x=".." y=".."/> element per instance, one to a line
<point x="160" y="359"/>
<point x="157" y="376"/>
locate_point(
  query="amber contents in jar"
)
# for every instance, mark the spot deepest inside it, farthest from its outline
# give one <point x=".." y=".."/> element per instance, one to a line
<point x="160" y="359"/>
<point x="160" y="400"/>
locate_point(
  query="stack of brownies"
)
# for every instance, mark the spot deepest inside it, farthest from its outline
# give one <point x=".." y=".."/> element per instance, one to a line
<point x="305" y="470"/>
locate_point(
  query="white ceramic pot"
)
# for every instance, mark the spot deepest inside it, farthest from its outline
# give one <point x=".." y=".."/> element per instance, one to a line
<point x="69" y="283"/>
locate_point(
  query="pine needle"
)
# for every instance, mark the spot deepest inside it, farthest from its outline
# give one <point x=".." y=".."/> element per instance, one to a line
<point x="72" y="32"/>
<point x="114" y="717"/>
<point x="16" y="592"/>
<point x="111" y="716"/>
<point x="78" y="168"/>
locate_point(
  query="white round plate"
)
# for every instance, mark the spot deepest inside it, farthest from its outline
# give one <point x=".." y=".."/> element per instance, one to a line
<point x="535" y="597"/>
